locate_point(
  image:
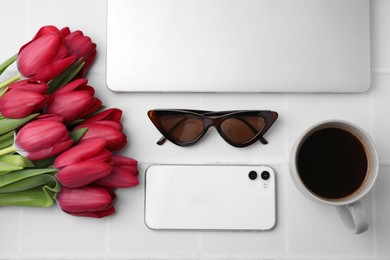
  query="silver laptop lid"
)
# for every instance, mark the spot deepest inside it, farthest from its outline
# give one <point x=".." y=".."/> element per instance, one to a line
<point x="238" y="45"/>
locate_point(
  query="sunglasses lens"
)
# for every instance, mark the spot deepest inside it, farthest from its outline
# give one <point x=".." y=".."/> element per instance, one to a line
<point x="242" y="129"/>
<point x="182" y="128"/>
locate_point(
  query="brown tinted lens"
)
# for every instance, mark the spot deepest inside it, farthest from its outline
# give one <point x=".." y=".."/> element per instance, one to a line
<point x="241" y="129"/>
<point x="182" y="128"/>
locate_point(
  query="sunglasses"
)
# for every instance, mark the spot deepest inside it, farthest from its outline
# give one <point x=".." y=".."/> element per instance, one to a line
<point x="238" y="128"/>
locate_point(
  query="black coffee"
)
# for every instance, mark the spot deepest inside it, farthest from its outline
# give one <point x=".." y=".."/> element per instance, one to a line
<point x="332" y="163"/>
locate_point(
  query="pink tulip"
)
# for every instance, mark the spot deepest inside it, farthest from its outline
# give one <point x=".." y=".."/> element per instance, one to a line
<point x="31" y="85"/>
<point x="41" y="139"/>
<point x="81" y="46"/>
<point x="123" y="175"/>
<point x="19" y="103"/>
<point x="107" y="125"/>
<point x="83" y="164"/>
<point x="88" y="201"/>
<point x="23" y="98"/>
<point x="51" y="51"/>
<point x="107" y="130"/>
<point x="112" y="115"/>
<point x="73" y="101"/>
<point x="44" y="57"/>
<point x="50" y="117"/>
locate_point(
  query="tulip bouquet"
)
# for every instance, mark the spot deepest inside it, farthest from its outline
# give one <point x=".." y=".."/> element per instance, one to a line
<point x="57" y="143"/>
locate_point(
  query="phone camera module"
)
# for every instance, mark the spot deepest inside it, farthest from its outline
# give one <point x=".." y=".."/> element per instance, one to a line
<point x="252" y="175"/>
<point x="265" y="175"/>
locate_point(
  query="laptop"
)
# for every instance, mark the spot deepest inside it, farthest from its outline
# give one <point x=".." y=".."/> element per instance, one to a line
<point x="238" y="45"/>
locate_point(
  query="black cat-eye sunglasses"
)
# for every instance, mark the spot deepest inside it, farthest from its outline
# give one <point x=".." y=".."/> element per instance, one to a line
<point x="238" y="128"/>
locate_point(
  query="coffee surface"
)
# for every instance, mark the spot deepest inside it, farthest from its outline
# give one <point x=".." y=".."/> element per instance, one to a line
<point x="332" y="163"/>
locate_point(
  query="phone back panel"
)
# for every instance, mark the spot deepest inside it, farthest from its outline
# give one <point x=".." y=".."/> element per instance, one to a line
<point x="209" y="197"/>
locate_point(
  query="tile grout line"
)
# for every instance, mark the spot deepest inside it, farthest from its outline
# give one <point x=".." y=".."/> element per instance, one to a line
<point x="286" y="219"/>
<point x="199" y="244"/>
<point x="371" y="123"/>
<point x="107" y="245"/>
<point x="20" y="231"/>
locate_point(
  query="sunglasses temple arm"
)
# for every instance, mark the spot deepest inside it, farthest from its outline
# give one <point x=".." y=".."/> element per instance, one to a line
<point x="162" y="140"/>
<point x="263" y="140"/>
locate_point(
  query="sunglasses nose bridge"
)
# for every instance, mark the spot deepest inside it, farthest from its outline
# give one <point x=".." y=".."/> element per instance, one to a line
<point x="210" y="122"/>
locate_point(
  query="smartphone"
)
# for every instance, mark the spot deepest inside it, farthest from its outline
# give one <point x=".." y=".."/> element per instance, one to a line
<point x="210" y="197"/>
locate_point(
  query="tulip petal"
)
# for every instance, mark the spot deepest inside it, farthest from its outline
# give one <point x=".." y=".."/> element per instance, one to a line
<point x="72" y="86"/>
<point x="80" y="153"/>
<point x="123" y="160"/>
<point x="49" y="152"/>
<point x="96" y="214"/>
<point x="45" y="30"/>
<point x="119" y="178"/>
<point x="112" y="114"/>
<point x="114" y="137"/>
<point x="38" y="53"/>
<point x="47" y="73"/>
<point x="84" y="199"/>
<point x="82" y="173"/>
<point x="69" y="105"/>
<point x="29" y="141"/>
<point x="30" y="85"/>
<point x="30" y="137"/>
<point x="18" y="103"/>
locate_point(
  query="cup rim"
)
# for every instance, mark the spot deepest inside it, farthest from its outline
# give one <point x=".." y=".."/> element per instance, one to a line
<point x="369" y="147"/>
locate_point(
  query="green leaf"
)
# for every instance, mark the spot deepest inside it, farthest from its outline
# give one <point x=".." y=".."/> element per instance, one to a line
<point x="37" y="197"/>
<point x="9" y="81"/>
<point x="16" y="160"/>
<point x="10" y="124"/>
<point x="23" y="174"/>
<point x="6" y="136"/>
<point x="7" y="63"/>
<point x="44" y="163"/>
<point x="35" y="188"/>
<point x="32" y="182"/>
<point x="3" y="91"/>
<point x="66" y="76"/>
<point x="7" y="167"/>
<point x="76" y="135"/>
<point x="6" y="139"/>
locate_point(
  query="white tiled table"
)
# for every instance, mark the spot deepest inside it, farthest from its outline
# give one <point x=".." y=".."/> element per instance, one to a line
<point x="305" y="230"/>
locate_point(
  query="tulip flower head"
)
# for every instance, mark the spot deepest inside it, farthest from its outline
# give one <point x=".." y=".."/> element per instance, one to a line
<point x="34" y="145"/>
<point x="51" y="51"/>
<point x="115" y="138"/>
<point x="123" y="175"/>
<point x="107" y="125"/>
<point x="88" y="201"/>
<point x="24" y="98"/>
<point x="81" y="46"/>
<point x="74" y="100"/>
<point x="83" y="164"/>
<point x="44" y="57"/>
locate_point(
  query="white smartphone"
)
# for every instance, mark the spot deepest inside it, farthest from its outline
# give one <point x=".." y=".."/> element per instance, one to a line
<point x="210" y="197"/>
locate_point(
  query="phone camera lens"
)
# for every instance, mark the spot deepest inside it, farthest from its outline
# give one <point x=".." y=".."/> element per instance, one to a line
<point x="265" y="175"/>
<point x="252" y="175"/>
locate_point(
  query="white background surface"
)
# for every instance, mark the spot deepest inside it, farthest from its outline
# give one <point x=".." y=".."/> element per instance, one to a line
<point x="305" y="230"/>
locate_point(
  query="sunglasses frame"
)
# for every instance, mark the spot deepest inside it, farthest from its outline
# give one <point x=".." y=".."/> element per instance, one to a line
<point x="213" y="119"/>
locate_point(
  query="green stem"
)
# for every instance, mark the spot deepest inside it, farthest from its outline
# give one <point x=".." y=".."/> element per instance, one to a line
<point x="7" y="63"/>
<point x="7" y="150"/>
<point x="11" y="80"/>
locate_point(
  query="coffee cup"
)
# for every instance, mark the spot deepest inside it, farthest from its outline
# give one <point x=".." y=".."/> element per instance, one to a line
<point x="335" y="162"/>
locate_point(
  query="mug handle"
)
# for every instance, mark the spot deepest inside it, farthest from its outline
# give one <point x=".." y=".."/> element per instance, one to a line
<point x="354" y="216"/>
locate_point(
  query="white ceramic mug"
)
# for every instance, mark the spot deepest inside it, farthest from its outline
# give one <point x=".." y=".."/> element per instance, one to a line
<point x="350" y="208"/>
